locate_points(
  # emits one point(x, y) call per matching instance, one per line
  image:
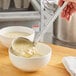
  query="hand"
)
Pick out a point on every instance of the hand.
point(69, 9)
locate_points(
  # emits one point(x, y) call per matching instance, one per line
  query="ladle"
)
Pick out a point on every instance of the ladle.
point(49, 23)
point(24, 47)
point(42, 32)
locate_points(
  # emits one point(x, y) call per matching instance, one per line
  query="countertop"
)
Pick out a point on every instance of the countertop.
point(54, 67)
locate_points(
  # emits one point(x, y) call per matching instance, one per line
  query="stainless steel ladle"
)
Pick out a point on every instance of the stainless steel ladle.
point(44, 30)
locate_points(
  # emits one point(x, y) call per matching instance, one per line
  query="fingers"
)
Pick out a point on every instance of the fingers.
point(68, 10)
point(65, 16)
point(65, 13)
point(74, 5)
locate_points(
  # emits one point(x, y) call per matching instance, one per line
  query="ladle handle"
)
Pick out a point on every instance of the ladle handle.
point(50, 21)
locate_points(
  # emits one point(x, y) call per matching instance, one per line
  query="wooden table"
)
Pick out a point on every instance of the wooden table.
point(54, 68)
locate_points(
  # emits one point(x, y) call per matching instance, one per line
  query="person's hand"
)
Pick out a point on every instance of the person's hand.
point(69, 9)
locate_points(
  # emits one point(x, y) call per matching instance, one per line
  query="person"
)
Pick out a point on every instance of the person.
point(69, 9)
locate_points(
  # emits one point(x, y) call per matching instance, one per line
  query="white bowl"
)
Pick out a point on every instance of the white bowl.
point(33, 63)
point(7, 40)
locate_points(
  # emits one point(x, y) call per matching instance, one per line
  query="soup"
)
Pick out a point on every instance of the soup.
point(22, 47)
point(16, 34)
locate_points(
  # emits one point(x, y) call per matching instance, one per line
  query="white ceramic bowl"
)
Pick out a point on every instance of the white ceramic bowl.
point(34, 63)
point(7, 40)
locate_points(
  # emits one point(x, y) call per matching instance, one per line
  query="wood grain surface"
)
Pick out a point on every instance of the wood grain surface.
point(54, 67)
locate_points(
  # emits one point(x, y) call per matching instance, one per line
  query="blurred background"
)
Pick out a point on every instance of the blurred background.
point(28, 13)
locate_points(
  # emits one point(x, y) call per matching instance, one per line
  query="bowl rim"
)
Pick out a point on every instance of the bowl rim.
point(7, 27)
point(49, 53)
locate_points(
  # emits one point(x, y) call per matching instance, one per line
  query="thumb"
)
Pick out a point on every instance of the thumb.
point(60, 3)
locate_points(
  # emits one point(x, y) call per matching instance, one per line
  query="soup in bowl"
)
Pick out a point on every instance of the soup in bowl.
point(7, 34)
point(25, 61)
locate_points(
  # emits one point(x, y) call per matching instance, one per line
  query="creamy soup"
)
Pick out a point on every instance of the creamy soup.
point(23, 47)
point(16, 34)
